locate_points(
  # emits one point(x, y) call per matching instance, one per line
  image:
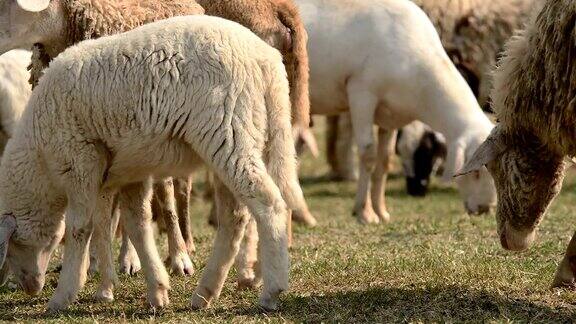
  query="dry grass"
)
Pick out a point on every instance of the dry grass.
point(431, 263)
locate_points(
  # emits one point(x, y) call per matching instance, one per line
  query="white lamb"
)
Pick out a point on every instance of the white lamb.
point(383, 61)
point(110, 113)
point(14, 91)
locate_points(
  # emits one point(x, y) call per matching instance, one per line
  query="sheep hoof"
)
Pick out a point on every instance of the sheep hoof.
point(269, 304)
point(384, 216)
point(199, 302)
point(366, 216)
point(104, 295)
point(130, 265)
point(565, 274)
point(55, 306)
point(248, 283)
point(181, 265)
point(159, 298)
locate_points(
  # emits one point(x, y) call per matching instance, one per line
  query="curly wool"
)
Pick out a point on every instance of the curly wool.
point(278, 23)
point(535, 83)
point(474, 32)
point(89, 19)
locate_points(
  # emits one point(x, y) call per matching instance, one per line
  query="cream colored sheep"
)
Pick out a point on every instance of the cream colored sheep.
point(534, 97)
point(54, 25)
point(14, 91)
point(166, 96)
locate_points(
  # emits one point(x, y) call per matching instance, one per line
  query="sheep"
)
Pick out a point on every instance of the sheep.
point(54, 25)
point(533, 86)
point(390, 69)
point(278, 23)
point(167, 96)
point(14, 91)
point(473, 32)
point(422, 152)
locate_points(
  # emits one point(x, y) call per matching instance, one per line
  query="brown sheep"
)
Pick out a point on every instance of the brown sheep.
point(534, 86)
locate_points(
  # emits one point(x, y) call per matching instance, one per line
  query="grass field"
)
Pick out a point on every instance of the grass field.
point(431, 263)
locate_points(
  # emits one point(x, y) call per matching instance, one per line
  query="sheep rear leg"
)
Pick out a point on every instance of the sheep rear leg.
point(247, 258)
point(180, 263)
point(128, 258)
point(136, 218)
point(232, 219)
point(363, 106)
point(386, 142)
point(183, 194)
point(566, 272)
point(340, 148)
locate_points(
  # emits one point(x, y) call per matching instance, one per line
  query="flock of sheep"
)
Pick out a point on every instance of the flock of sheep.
point(131, 97)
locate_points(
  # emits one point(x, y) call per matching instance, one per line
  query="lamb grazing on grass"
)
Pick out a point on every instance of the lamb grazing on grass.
point(54, 25)
point(534, 96)
point(14, 91)
point(278, 23)
point(390, 69)
point(168, 95)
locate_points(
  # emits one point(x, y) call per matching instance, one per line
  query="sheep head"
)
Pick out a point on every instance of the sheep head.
point(26, 259)
point(26, 22)
point(528, 176)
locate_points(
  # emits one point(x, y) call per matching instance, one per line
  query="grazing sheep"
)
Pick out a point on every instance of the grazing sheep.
point(390, 69)
point(534, 97)
point(54, 25)
point(14, 91)
point(278, 23)
point(167, 96)
point(473, 32)
point(421, 151)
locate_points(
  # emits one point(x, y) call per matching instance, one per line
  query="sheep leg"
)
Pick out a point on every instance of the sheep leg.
point(136, 211)
point(183, 193)
point(247, 258)
point(232, 220)
point(363, 106)
point(103, 235)
point(340, 143)
point(566, 273)
point(128, 258)
point(180, 262)
point(79, 222)
point(386, 142)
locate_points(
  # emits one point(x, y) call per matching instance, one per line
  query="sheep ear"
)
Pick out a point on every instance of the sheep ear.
point(454, 161)
point(488, 151)
point(33, 5)
point(7, 228)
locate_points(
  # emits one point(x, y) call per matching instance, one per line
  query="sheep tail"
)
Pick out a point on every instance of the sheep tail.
point(280, 150)
point(296, 61)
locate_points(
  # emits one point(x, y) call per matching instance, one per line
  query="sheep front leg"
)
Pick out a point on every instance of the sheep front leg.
point(566, 273)
point(363, 106)
point(75, 261)
point(180, 262)
point(104, 228)
point(386, 142)
point(136, 219)
point(232, 219)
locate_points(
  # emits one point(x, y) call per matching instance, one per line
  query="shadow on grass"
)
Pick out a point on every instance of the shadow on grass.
point(444, 303)
point(447, 303)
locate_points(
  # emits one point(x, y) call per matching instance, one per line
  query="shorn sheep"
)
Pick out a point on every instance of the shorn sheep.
point(533, 86)
point(14, 91)
point(54, 25)
point(390, 69)
point(473, 32)
point(212, 92)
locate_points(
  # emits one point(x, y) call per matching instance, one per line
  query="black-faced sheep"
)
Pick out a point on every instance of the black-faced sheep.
point(534, 98)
